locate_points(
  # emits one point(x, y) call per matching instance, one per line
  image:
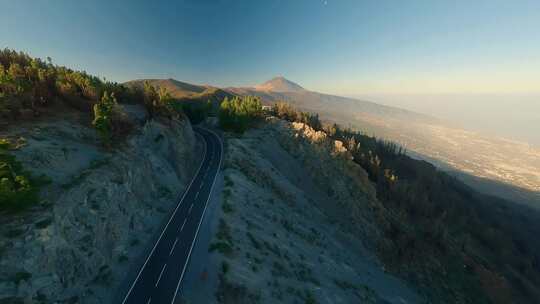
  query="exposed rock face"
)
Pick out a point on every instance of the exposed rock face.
point(317, 151)
point(101, 209)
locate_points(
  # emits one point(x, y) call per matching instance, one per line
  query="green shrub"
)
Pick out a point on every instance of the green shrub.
point(221, 247)
point(103, 115)
point(18, 189)
point(225, 267)
point(239, 113)
point(227, 207)
point(21, 276)
point(196, 111)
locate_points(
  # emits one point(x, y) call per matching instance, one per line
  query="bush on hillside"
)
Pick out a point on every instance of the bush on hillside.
point(103, 115)
point(18, 189)
point(288, 112)
point(239, 113)
point(197, 111)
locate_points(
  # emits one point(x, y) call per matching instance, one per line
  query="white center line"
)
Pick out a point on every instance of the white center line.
point(202, 184)
point(190, 207)
point(160, 274)
point(174, 245)
point(197, 195)
point(182, 228)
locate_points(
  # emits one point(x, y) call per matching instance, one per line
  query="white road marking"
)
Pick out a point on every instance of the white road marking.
point(149, 300)
point(197, 195)
point(202, 184)
point(174, 245)
point(166, 226)
point(190, 207)
point(160, 274)
point(182, 228)
point(202, 217)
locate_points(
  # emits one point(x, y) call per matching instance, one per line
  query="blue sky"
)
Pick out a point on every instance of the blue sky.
point(343, 47)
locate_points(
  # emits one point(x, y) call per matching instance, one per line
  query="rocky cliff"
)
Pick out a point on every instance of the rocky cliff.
point(99, 212)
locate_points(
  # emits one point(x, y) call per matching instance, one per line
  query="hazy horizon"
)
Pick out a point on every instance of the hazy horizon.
point(345, 47)
point(442, 53)
point(503, 115)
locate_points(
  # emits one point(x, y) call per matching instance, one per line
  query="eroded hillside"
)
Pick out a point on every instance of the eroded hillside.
point(292, 228)
point(99, 212)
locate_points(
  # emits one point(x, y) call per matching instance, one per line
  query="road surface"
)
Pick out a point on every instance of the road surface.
point(160, 277)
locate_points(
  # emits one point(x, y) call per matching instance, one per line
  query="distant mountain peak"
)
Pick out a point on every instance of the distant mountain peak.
point(279, 84)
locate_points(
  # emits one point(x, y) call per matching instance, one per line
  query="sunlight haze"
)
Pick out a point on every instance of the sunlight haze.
point(383, 47)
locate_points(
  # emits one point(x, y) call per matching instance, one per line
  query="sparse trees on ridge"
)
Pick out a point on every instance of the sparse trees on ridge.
point(286, 111)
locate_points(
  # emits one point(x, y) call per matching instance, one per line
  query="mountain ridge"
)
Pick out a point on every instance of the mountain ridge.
point(279, 88)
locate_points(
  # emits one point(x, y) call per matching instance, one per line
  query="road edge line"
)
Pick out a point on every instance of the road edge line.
point(167, 225)
point(202, 216)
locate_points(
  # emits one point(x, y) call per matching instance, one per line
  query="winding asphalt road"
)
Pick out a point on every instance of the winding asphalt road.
point(160, 277)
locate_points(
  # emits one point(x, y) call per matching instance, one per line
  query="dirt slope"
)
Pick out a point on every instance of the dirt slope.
point(291, 229)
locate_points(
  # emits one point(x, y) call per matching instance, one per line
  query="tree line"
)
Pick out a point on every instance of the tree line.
point(27, 83)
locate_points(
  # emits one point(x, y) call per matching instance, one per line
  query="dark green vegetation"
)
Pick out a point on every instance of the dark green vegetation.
point(239, 113)
point(30, 86)
point(103, 116)
point(197, 111)
point(460, 245)
point(18, 188)
point(224, 244)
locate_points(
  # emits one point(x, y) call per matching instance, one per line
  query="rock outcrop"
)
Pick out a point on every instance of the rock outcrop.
point(99, 212)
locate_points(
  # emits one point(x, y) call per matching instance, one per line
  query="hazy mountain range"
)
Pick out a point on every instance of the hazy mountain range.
point(281, 89)
point(507, 168)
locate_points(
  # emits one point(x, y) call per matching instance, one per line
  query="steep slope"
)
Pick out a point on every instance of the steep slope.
point(291, 228)
point(100, 211)
point(488, 160)
point(300, 222)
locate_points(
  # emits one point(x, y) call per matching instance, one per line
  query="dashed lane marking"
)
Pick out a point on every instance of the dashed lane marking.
point(160, 274)
point(173, 246)
point(182, 228)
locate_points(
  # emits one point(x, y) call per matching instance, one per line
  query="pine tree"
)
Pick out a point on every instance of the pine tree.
point(103, 111)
